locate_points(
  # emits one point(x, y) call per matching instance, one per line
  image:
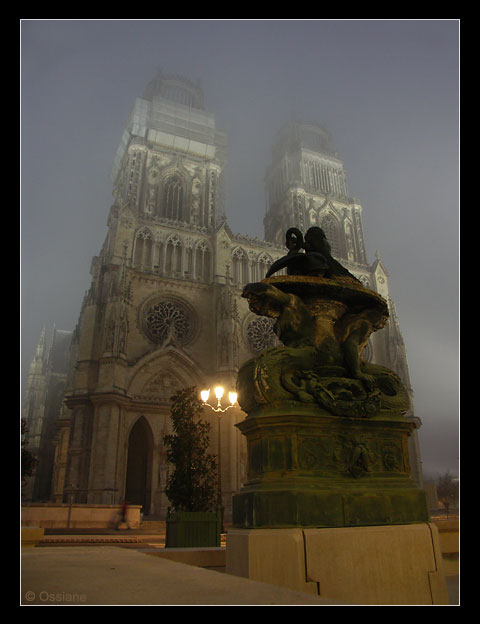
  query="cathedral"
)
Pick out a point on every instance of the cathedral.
point(164, 308)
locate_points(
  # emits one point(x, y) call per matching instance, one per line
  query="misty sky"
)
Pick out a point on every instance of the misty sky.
point(387, 90)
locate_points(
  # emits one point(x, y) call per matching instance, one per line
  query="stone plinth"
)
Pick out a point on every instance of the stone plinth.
point(376, 565)
point(329, 505)
point(317, 470)
point(326, 434)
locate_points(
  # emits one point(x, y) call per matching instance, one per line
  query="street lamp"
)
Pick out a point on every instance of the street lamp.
point(232, 397)
point(219, 392)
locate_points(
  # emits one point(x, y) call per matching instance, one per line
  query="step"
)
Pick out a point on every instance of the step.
point(153, 526)
point(207, 557)
point(92, 539)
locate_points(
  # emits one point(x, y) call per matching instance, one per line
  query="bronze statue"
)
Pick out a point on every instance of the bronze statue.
point(316, 259)
point(294, 325)
point(325, 429)
point(324, 317)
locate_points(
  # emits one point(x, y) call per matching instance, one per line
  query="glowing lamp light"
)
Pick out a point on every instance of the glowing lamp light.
point(219, 392)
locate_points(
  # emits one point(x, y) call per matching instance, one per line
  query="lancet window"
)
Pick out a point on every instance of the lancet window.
point(202, 261)
point(143, 253)
point(240, 266)
point(173, 256)
point(173, 204)
point(264, 263)
point(331, 228)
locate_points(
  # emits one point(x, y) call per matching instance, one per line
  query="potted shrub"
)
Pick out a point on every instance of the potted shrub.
point(193, 518)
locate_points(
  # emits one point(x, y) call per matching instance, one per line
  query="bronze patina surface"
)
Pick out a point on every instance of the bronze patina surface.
point(326, 432)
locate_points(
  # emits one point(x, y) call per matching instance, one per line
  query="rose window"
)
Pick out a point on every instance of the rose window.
point(260, 334)
point(167, 318)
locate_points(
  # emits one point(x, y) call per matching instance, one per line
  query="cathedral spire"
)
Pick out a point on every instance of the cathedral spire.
point(38, 360)
point(41, 342)
point(306, 187)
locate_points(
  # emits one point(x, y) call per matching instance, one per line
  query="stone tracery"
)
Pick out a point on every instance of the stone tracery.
point(167, 318)
point(260, 334)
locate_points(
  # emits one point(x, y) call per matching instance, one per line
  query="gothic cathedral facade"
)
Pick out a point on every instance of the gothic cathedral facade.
point(164, 309)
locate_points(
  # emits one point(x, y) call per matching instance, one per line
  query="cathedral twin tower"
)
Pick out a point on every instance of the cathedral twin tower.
point(164, 309)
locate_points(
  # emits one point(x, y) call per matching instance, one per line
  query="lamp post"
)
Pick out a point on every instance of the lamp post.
point(71, 493)
point(232, 397)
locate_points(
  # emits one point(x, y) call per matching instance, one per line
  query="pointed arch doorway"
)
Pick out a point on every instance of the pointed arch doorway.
point(138, 482)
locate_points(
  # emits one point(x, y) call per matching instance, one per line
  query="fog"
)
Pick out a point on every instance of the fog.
point(387, 90)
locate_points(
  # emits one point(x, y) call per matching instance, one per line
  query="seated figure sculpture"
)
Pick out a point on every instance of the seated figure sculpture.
point(317, 259)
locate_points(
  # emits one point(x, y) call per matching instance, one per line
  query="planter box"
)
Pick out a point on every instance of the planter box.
point(191, 529)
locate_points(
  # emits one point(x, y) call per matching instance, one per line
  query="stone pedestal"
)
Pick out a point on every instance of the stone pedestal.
point(374, 565)
point(329, 505)
point(326, 432)
point(316, 470)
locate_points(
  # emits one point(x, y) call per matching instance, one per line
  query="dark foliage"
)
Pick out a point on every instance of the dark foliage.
point(447, 491)
point(28, 459)
point(193, 484)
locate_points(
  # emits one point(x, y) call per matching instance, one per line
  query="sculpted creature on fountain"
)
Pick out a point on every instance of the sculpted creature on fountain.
point(324, 318)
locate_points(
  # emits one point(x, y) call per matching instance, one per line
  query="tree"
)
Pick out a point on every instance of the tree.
point(447, 491)
point(28, 459)
point(193, 484)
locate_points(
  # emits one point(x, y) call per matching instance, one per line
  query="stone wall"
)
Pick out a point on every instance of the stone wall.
point(77, 516)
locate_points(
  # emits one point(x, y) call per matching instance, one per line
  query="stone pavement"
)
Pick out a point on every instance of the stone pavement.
point(109, 575)
point(453, 588)
point(114, 575)
point(114, 568)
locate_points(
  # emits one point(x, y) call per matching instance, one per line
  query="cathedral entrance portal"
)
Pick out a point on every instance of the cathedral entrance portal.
point(138, 485)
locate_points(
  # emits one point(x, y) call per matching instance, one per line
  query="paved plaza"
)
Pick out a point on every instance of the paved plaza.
point(117, 568)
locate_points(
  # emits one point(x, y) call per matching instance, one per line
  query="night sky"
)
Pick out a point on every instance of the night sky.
point(388, 90)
